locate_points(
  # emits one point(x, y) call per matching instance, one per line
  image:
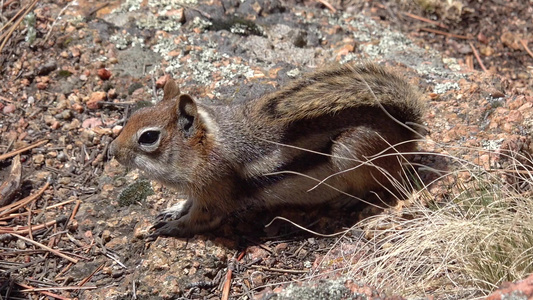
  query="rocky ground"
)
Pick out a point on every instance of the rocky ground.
point(71, 73)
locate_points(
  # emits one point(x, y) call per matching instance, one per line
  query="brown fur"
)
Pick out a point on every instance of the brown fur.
point(326, 126)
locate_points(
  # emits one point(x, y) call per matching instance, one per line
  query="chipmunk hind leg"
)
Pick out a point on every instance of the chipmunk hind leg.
point(369, 160)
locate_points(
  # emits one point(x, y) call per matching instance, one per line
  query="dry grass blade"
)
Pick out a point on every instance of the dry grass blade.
point(305, 229)
point(413, 16)
point(58, 16)
point(461, 248)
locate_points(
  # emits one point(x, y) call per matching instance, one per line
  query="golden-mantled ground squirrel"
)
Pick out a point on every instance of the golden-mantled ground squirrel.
point(334, 132)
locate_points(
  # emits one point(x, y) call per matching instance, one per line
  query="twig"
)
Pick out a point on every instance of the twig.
point(281, 270)
point(9, 22)
point(227, 283)
point(8, 3)
point(58, 204)
point(410, 15)
point(6, 100)
point(44, 292)
point(63, 271)
point(13, 153)
point(96, 9)
point(30, 233)
point(469, 61)
point(444, 33)
point(328, 5)
point(15, 206)
point(524, 43)
point(476, 54)
point(227, 286)
point(59, 288)
point(11, 216)
point(14, 26)
point(117, 103)
point(24, 230)
point(74, 212)
point(84, 281)
point(73, 260)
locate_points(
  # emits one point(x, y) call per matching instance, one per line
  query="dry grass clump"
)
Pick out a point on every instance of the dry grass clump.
point(463, 247)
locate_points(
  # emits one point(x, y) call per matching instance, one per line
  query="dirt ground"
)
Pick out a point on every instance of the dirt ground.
point(72, 72)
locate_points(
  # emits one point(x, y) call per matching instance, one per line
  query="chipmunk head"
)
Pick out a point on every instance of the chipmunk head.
point(163, 140)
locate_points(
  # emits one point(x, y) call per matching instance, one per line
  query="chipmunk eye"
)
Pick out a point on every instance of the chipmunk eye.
point(149, 137)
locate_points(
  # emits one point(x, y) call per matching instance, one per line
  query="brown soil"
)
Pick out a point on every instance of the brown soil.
point(72, 86)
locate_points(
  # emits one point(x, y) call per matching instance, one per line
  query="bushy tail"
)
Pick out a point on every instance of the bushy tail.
point(343, 87)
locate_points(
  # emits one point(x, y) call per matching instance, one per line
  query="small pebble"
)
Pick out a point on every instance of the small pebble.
point(9, 108)
point(74, 98)
point(116, 130)
point(48, 119)
point(64, 180)
point(66, 115)
point(46, 68)
point(20, 244)
point(106, 235)
point(91, 123)
point(73, 226)
point(112, 94)
point(104, 74)
point(62, 157)
point(78, 107)
point(95, 99)
point(42, 85)
point(38, 159)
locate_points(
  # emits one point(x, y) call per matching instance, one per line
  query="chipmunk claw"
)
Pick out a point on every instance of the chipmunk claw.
point(172, 228)
point(175, 212)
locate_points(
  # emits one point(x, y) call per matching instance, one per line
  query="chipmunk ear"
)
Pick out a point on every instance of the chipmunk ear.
point(187, 114)
point(170, 90)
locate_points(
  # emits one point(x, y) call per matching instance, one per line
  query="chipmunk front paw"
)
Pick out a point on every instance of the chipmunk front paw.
point(184, 220)
point(175, 212)
point(174, 228)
